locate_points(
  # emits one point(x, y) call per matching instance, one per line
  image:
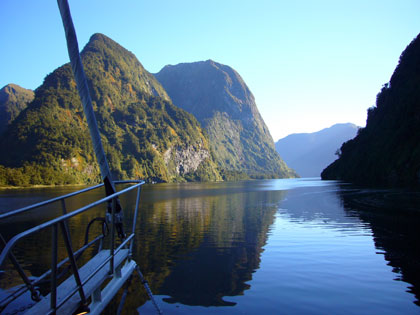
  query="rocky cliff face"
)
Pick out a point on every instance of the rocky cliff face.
point(221, 101)
point(387, 151)
point(13, 99)
point(185, 160)
point(144, 134)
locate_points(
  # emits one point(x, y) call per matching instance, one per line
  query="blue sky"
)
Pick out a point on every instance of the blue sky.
point(309, 64)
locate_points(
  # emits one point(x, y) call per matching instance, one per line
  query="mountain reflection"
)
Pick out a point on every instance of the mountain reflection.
point(199, 249)
point(394, 219)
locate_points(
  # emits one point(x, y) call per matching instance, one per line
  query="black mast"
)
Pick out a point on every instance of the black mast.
point(82, 87)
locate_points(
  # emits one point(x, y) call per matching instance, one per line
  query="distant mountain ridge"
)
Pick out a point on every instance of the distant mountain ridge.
point(13, 99)
point(387, 151)
point(143, 133)
point(225, 107)
point(309, 153)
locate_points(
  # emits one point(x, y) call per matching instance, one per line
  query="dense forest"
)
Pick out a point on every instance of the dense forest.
point(387, 151)
point(144, 134)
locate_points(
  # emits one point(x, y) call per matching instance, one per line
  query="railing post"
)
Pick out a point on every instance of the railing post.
point(135, 220)
point(73, 263)
point(114, 206)
point(63, 206)
point(101, 241)
point(53, 301)
point(66, 225)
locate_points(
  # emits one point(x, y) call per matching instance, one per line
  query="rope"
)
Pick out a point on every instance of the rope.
point(149, 292)
point(105, 228)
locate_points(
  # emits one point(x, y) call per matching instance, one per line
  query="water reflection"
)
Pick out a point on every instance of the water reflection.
point(300, 246)
point(322, 208)
point(287, 247)
point(394, 218)
point(204, 247)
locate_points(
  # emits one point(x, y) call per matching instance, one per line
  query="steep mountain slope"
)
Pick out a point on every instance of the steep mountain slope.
point(387, 151)
point(218, 97)
point(309, 153)
point(144, 134)
point(13, 99)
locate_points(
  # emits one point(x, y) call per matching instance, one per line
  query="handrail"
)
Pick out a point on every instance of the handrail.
point(46, 202)
point(37, 228)
point(61, 221)
point(49, 201)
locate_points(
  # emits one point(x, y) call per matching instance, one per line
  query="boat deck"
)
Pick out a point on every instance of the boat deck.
point(68, 298)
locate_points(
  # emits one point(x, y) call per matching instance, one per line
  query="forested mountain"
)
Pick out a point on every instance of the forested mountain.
point(13, 99)
point(221, 101)
point(387, 151)
point(144, 134)
point(309, 153)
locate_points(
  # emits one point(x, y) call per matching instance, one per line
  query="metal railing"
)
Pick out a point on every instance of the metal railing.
point(61, 223)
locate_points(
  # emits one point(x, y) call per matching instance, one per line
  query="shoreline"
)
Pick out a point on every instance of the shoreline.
point(40, 186)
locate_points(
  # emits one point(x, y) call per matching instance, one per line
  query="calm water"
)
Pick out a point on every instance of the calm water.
point(300, 246)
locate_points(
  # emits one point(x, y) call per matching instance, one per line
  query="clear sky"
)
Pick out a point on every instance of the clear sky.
point(309, 64)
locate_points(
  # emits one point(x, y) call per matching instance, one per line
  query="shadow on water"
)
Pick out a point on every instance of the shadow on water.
point(394, 218)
